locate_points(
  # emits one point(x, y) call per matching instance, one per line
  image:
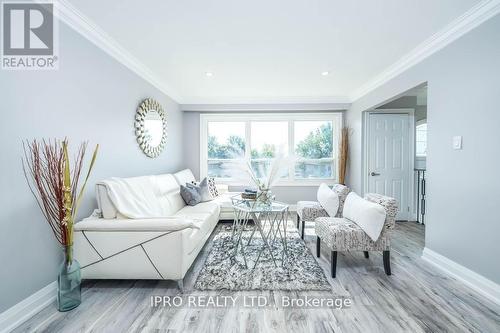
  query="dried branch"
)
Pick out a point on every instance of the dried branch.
point(344, 151)
point(46, 167)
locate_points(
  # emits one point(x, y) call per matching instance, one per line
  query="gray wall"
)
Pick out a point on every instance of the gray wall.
point(407, 102)
point(92, 97)
point(191, 130)
point(463, 196)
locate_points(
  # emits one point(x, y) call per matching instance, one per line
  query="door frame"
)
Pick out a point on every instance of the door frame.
point(411, 155)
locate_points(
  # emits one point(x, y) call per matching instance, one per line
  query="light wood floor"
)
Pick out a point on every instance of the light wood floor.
point(416, 298)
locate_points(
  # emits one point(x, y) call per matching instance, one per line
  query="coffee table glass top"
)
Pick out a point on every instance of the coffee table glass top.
point(256, 206)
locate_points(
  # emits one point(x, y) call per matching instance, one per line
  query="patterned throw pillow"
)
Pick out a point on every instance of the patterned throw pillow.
point(212, 187)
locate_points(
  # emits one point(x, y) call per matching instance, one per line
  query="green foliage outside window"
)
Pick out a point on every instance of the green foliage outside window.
point(317, 144)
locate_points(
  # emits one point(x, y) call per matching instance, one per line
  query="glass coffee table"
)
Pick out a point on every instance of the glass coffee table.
point(269, 220)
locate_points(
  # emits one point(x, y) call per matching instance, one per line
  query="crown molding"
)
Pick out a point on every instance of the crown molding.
point(76, 20)
point(471, 19)
point(265, 107)
point(234, 100)
point(474, 17)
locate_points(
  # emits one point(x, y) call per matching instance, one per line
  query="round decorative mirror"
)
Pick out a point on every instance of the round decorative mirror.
point(151, 127)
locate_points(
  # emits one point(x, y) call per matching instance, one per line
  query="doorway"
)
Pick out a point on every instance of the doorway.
point(389, 151)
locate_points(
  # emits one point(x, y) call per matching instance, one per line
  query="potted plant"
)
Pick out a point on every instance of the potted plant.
point(53, 181)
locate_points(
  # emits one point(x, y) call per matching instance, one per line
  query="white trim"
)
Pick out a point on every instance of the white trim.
point(471, 19)
point(421, 122)
point(22, 311)
point(289, 106)
point(475, 281)
point(83, 25)
point(335, 117)
point(411, 156)
point(269, 100)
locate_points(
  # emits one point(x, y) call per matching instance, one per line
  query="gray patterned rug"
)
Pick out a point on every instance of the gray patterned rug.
point(222, 270)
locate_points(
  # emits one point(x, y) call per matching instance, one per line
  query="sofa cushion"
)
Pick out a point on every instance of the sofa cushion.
point(328, 199)
point(166, 191)
point(205, 216)
point(209, 207)
point(184, 176)
point(137, 197)
point(169, 192)
point(224, 200)
point(369, 216)
point(341, 234)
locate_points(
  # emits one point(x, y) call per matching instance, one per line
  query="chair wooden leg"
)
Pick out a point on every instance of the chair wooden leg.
point(303, 228)
point(366, 254)
point(318, 246)
point(387, 262)
point(334, 264)
point(298, 221)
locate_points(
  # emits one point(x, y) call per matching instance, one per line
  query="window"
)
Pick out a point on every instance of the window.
point(230, 141)
point(226, 145)
point(314, 149)
point(269, 139)
point(421, 139)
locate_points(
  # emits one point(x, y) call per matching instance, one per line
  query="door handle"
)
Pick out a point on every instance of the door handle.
point(374, 174)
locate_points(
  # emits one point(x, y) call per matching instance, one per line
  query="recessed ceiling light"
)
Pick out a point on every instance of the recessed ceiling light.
point(325, 73)
point(209, 74)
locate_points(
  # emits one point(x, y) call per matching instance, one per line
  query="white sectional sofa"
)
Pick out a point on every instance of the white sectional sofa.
point(110, 246)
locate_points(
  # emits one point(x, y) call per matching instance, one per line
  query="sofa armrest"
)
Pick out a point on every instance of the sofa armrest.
point(158, 224)
point(222, 188)
point(390, 205)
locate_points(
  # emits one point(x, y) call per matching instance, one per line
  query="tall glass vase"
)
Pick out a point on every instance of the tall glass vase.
point(69, 291)
point(265, 196)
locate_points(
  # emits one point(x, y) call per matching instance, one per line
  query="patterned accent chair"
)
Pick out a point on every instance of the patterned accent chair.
point(308, 211)
point(341, 234)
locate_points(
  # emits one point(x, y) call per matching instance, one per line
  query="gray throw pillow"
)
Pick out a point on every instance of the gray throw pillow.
point(212, 187)
point(190, 195)
point(203, 190)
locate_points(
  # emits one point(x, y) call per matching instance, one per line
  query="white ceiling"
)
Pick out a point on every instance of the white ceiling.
point(261, 51)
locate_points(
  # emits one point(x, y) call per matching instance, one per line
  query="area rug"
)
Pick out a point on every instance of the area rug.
point(222, 270)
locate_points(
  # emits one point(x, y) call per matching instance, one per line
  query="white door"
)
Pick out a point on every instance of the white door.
point(389, 158)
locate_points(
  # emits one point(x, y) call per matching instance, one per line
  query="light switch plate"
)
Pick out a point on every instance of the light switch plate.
point(457, 142)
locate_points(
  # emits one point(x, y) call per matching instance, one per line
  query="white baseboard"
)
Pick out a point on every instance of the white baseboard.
point(479, 283)
point(22, 311)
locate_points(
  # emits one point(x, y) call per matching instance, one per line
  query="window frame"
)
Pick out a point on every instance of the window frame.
point(335, 117)
point(417, 124)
